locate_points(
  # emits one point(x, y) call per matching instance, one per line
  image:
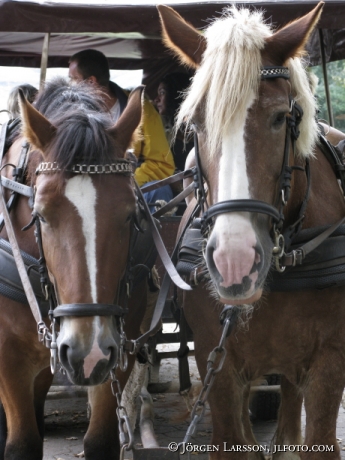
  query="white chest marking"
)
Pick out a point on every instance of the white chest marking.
point(82, 193)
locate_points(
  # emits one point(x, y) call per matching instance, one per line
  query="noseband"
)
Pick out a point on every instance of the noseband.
point(257, 206)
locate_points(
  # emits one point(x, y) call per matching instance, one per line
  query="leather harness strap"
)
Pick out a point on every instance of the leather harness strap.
point(18, 174)
point(168, 180)
point(35, 309)
point(163, 254)
point(296, 256)
point(133, 346)
point(175, 201)
point(17, 187)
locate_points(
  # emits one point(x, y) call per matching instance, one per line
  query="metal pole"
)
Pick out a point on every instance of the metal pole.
point(44, 59)
point(325, 78)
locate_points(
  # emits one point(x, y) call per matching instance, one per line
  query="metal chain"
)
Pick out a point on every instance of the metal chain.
point(126, 440)
point(120, 167)
point(217, 354)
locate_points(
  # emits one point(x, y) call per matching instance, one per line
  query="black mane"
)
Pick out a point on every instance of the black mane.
point(81, 119)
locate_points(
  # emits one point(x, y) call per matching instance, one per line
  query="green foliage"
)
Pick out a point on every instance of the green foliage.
point(336, 81)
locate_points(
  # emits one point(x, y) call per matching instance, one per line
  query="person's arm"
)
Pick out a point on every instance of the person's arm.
point(153, 150)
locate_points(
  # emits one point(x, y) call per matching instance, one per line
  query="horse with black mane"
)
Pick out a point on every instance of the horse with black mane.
point(271, 201)
point(84, 205)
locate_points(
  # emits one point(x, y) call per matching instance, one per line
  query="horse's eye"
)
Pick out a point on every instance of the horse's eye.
point(279, 119)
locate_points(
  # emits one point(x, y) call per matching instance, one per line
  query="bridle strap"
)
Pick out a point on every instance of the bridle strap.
point(240, 206)
point(88, 309)
point(198, 177)
point(257, 206)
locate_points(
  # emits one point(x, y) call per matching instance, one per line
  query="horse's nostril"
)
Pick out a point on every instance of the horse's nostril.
point(113, 355)
point(258, 255)
point(63, 354)
point(210, 248)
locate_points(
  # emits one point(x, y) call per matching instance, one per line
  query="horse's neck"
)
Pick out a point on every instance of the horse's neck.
point(21, 214)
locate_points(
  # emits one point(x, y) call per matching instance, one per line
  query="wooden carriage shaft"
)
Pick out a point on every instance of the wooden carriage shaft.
point(77, 391)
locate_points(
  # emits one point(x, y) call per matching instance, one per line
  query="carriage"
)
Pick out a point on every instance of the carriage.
point(70, 310)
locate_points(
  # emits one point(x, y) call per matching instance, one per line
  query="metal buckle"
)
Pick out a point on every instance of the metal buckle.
point(278, 250)
point(296, 253)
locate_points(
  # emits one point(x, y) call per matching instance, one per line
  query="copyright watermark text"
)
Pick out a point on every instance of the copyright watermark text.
point(226, 447)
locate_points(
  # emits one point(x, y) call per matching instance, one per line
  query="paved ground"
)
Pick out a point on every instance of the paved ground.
point(66, 423)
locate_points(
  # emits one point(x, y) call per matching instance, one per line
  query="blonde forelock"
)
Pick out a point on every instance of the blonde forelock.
point(228, 78)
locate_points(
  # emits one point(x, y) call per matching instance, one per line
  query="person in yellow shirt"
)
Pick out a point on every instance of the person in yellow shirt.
point(154, 158)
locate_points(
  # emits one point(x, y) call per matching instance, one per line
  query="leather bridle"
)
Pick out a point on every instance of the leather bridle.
point(276, 213)
point(46, 336)
point(122, 167)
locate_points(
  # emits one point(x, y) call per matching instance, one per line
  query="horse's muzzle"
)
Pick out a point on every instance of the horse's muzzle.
point(89, 341)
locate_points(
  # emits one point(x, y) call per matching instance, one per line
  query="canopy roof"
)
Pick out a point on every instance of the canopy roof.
point(129, 32)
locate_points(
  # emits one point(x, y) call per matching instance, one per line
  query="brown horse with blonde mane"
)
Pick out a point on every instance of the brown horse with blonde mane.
point(269, 184)
point(85, 208)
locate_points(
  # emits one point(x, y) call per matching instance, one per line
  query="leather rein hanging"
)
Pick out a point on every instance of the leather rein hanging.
point(276, 213)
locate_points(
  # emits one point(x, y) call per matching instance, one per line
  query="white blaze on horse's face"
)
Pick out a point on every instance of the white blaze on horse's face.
point(233, 243)
point(81, 192)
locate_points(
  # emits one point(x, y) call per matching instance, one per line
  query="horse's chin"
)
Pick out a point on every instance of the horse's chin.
point(240, 301)
point(99, 375)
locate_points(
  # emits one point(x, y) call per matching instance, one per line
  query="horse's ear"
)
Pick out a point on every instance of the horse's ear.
point(182, 38)
point(125, 128)
point(290, 41)
point(35, 127)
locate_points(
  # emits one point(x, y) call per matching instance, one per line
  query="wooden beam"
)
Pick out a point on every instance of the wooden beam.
point(44, 59)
